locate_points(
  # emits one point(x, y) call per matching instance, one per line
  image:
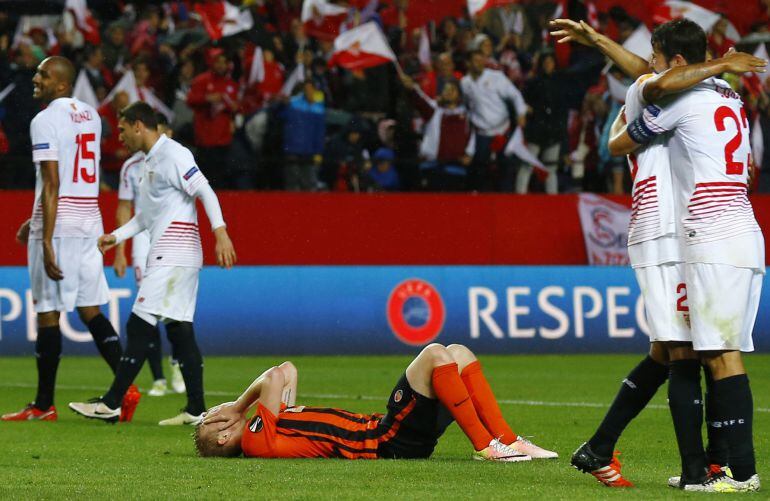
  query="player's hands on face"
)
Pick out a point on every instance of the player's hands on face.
point(49, 261)
point(567, 30)
point(224, 249)
point(741, 62)
point(120, 264)
point(224, 415)
point(106, 242)
point(22, 236)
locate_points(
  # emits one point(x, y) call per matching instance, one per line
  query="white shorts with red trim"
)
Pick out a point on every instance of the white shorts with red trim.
point(168, 293)
point(81, 264)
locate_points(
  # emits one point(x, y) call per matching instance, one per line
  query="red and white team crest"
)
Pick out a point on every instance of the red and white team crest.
point(415, 312)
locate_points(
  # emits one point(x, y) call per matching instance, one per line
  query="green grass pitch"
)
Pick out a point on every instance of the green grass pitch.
point(557, 400)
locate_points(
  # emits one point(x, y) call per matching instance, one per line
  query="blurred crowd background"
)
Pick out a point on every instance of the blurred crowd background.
point(249, 87)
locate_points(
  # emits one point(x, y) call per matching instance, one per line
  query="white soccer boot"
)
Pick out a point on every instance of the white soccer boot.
point(159, 388)
point(96, 409)
point(177, 381)
point(183, 418)
point(526, 447)
point(498, 451)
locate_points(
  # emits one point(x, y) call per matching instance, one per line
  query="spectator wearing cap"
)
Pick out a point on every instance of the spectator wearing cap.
point(546, 128)
point(213, 97)
point(382, 175)
point(488, 95)
point(304, 127)
point(447, 144)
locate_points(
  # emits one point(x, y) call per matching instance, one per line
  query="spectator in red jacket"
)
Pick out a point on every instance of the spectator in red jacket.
point(213, 96)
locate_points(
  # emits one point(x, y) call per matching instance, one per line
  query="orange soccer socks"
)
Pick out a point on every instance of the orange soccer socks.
point(451, 392)
point(486, 404)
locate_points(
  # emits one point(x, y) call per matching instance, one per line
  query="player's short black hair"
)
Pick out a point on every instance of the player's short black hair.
point(161, 119)
point(142, 112)
point(681, 36)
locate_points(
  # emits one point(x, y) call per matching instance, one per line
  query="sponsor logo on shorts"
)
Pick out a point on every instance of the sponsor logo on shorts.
point(415, 312)
point(398, 395)
point(140, 299)
point(298, 408)
point(255, 426)
point(190, 173)
point(40, 146)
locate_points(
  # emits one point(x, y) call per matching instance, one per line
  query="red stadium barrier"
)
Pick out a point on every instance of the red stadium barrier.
point(345, 229)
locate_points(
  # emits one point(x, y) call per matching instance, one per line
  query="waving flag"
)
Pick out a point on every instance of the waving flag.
point(322, 19)
point(706, 19)
point(518, 147)
point(222, 19)
point(423, 51)
point(362, 47)
point(478, 6)
point(84, 91)
point(135, 93)
point(84, 21)
point(257, 68)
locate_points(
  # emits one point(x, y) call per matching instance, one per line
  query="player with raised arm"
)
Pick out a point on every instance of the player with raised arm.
point(66, 270)
point(170, 186)
point(441, 384)
point(130, 176)
point(724, 252)
point(655, 252)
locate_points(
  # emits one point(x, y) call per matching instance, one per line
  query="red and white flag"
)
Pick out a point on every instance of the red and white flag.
point(362, 47)
point(84, 91)
point(639, 42)
point(592, 14)
point(706, 19)
point(222, 19)
point(135, 93)
point(605, 229)
point(478, 6)
point(85, 22)
point(322, 19)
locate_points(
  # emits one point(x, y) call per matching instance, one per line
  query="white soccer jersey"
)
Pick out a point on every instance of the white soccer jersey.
point(652, 233)
point(130, 176)
point(709, 155)
point(166, 205)
point(69, 131)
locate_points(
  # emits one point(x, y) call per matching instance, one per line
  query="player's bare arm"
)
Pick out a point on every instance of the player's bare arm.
point(567, 30)
point(122, 216)
point(22, 235)
point(50, 201)
point(275, 385)
point(682, 78)
point(224, 248)
point(622, 144)
point(225, 251)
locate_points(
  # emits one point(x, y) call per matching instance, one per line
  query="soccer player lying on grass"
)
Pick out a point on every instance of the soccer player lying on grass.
point(441, 385)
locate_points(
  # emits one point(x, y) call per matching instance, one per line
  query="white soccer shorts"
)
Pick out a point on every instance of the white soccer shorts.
point(724, 301)
point(81, 264)
point(665, 301)
point(140, 248)
point(168, 293)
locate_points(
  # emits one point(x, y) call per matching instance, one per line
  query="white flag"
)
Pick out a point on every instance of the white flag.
point(705, 18)
point(296, 76)
point(639, 42)
point(423, 52)
point(618, 89)
point(84, 91)
point(257, 70)
point(605, 230)
point(757, 144)
point(128, 85)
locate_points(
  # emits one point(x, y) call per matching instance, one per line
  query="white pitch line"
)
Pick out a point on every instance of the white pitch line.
point(340, 396)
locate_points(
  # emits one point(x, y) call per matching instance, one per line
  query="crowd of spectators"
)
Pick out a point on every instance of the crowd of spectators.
point(442, 124)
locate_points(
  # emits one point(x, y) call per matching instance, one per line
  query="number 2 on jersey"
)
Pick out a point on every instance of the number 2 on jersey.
point(83, 153)
point(722, 114)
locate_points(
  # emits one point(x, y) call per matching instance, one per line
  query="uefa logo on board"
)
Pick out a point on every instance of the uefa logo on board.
point(415, 312)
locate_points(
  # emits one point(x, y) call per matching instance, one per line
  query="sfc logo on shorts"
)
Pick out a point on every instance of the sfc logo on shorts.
point(415, 312)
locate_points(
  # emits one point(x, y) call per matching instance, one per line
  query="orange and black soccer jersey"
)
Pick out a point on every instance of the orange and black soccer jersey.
point(312, 432)
point(409, 430)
